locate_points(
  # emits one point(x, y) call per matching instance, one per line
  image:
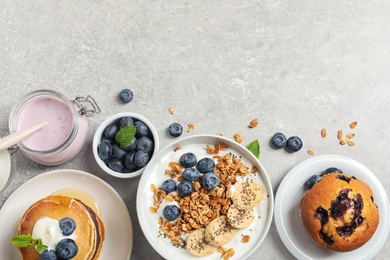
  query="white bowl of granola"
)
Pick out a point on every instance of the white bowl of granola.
point(233, 164)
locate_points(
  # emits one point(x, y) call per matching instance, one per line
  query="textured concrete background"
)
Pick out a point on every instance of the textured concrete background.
point(297, 66)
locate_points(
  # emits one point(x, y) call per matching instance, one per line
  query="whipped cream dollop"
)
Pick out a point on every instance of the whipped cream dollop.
point(49, 231)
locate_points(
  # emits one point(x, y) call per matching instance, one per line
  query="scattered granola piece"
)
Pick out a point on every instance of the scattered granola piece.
point(350, 143)
point(177, 148)
point(171, 111)
point(353, 124)
point(238, 137)
point(323, 132)
point(350, 136)
point(310, 152)
point(245, 239)
point(219, 134)
point(343, 141)
point(339, 134)
point(190, 127)
point(253, 123)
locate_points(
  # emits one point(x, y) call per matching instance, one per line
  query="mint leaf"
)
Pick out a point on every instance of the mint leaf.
point(24, 241)
point(254, 147)
point(125, 135)
point(41, 247)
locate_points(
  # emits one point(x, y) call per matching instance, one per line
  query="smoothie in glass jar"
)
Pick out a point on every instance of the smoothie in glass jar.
point(64, 135)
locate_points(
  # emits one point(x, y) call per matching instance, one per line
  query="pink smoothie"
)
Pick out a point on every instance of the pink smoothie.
point(59, 120)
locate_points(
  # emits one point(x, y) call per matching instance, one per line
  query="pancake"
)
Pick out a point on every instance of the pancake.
point(89, 230)
point(339, 212)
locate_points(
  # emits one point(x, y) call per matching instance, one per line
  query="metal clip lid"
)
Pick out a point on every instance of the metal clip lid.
point(84, 111)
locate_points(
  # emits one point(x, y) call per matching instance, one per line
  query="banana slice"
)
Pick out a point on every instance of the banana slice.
point(197, 245)
point(248, 194)
point(240, 218)
point(218, 232)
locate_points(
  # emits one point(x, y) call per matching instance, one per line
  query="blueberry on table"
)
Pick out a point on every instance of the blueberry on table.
point(312, 180)
point(188, 160)
point(111, 130)
point(205, 165)
point(142, 129)
point(67, 226)
point(141, 158)
point(126, 95)
point(210, 181)
point(48, 255)
point(115, 164)
point(104, 150)
point(185, 188)
point(66, 249)
point(171, 212)
point(191, 174)
point(146, 144)
point(332, 169)
point(278, 141)
point(175, 130)
point(294, 144)
point(168, 186)
point(125, 121)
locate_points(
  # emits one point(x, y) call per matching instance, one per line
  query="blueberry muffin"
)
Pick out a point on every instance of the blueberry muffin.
point(338, 212)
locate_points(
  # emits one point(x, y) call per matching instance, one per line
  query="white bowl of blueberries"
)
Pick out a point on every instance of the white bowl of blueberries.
point(124, 144)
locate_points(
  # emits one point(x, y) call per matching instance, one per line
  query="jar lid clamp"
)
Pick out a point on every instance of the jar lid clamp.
point(84, 111)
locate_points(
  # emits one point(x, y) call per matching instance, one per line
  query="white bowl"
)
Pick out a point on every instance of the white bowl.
point(154, 175)
point(98, 136)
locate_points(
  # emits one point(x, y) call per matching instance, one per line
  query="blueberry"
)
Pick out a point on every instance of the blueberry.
point(294, 144)
point(312, 180)
point(171, 212)
point(175, 130)
point(115, 164)
point(125, 121)
point(279, 140)
point(117, 152)
point(210, 181)
point(132, 146)
point(104, 150)
point(48, 255)
point(188, 160)
point(110, 131)
point(126, 95)
point(142, 129)
point(205, 165)
point(141, 158)
point(185, 188)
point(332, 169)
point(168, 186)
point(105, 139)
point(67, 226)
point(191, 174)
point(66, 249)
point(146, 144)
point(129, 161)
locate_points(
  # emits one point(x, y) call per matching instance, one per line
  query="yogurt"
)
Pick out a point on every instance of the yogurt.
point(48, 229)
point(64, 135)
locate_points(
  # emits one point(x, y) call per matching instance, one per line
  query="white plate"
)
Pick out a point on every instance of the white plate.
point(119, 231)
point(290, 192)
point(155, 174)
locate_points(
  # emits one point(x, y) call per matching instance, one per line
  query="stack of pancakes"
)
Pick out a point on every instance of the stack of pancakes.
point(90, 229)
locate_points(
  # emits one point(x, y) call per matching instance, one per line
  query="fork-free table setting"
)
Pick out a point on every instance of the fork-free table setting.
point(270, 94)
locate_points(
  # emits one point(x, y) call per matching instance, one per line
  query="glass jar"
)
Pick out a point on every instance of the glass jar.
point(65, 133)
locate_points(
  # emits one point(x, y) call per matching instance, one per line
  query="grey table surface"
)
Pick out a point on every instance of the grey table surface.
point(297, 66)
